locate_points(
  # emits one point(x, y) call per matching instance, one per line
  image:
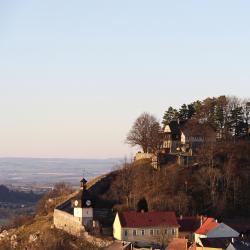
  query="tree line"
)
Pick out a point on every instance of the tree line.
point(229, 116)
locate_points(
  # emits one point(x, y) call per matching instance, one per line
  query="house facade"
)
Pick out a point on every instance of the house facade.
point(146, 228)
point(171, 137)
point(187, 136)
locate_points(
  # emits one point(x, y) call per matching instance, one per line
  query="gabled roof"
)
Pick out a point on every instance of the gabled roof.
point(222, 230)
point(207, 226)
point(148, 219)
point(194, 128)
point(174, 127)
point(189, 223)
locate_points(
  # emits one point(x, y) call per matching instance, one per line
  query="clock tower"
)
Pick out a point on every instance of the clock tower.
point(82, 205)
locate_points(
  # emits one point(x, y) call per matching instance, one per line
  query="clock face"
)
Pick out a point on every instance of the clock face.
point(76, 203)
point(88, 202)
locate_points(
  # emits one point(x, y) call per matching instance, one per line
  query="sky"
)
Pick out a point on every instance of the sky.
point(74, 75)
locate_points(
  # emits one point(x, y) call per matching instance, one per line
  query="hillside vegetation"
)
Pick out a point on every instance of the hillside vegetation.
point(218, 184)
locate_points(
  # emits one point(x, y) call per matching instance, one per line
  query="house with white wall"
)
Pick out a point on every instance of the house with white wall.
point(146, 228)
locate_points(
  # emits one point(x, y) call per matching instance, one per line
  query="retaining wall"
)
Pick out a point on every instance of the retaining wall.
point(68, 223)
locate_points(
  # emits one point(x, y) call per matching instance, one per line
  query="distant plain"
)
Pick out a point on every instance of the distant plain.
point(34, 173)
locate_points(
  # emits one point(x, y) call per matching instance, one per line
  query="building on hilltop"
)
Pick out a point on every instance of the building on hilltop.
point(146, 228)
point(83, 213)
point(171, 137)
point(82, 205)
point(185, 136)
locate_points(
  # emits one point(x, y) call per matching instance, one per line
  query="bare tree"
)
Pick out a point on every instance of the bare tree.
point(145, 133)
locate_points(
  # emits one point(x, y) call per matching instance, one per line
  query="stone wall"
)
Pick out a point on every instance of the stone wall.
point(73, 225)
point(143, 156)
point(68, 223)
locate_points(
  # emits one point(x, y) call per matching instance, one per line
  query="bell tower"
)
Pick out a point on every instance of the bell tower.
point(82, 205)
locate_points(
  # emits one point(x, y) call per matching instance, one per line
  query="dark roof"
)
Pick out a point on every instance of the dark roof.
point(148, 219)
point(194, 128)
point(241, 245)
point(189, 224)
point(83, 180)
point(83, 195)
point(174, 127)
point(216, 242)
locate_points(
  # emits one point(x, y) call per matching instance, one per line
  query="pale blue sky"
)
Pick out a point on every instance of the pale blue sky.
point(74, 75)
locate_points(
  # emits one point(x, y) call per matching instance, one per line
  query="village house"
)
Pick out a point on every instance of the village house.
point(187, 136)
point(146, 229)
point(194, 134)
point(210, 228)
point(171, 137)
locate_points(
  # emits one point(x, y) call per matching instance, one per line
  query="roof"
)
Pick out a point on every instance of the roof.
point(239, 245)
point(189, 224)
point(174, 127)
point(148, 219)
point(195, 128)
point(83, 180)
point(216, 242)
point(208, 225)
point(177, 244)
point(222, 230)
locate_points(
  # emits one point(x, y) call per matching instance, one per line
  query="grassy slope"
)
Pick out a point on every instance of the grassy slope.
point(44, 226)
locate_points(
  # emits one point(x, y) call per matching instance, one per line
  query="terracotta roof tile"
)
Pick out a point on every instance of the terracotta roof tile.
point(149, 219)
point(208, 225)
point(177, 244)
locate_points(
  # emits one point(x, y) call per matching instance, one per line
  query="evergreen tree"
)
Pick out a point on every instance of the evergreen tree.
point(184, 113)
point(142, 205)
point(170, 115)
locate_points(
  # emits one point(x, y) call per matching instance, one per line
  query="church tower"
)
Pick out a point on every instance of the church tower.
point(82, 205)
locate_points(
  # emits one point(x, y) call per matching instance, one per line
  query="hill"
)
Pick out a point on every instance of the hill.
point(38, 232)
point(218, 184)
point(7, 195)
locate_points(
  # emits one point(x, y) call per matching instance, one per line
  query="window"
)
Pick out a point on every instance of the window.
point(142, 232)
point(157, 231)
point(151, 232)
point(125, 233)
point(134, 232)
point(173, 231)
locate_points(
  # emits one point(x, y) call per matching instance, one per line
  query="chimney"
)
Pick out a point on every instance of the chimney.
point(181, 217)
point(232, 240)
point(201, 220)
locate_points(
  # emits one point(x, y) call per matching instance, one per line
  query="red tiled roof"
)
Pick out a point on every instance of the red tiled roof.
point(208, 225)
point(149, 219)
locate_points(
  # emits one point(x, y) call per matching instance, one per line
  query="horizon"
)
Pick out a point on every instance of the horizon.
point(75, 76)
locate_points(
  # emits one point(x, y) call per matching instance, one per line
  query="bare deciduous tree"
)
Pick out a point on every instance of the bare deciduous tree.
point(145, 133)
